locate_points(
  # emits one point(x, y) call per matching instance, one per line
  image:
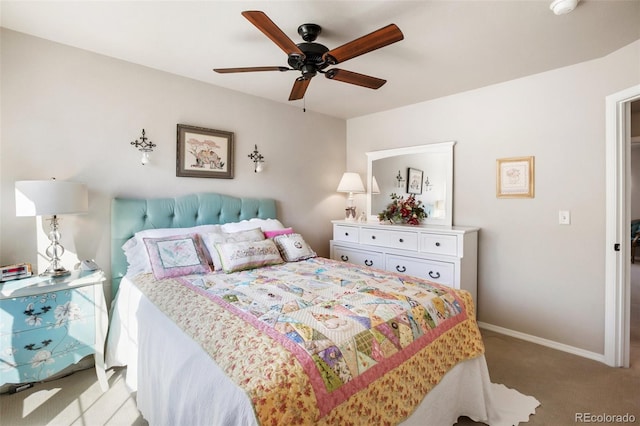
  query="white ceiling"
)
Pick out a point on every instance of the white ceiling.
point(450, 46)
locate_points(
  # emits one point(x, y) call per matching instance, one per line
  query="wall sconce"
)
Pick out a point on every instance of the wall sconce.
point(144, 147)
point(428, 186)
point(258, 160)
point(400, 179)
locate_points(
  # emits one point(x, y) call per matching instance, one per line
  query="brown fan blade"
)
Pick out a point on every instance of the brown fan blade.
point(375, 40)
point(271, 30)
point(250, 69)
point(355, 78)
point(299, 88)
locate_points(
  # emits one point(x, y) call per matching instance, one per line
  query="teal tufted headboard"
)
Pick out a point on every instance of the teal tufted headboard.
point(129, 216)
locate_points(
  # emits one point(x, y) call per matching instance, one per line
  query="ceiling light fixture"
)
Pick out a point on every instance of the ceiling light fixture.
point(561, 7)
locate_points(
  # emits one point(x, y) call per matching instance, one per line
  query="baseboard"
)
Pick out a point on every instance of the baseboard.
point(544, 342)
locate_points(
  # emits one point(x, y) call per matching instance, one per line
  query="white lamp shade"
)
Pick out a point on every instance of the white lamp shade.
point(375, 189)
point(50, 197)
point(351, 182)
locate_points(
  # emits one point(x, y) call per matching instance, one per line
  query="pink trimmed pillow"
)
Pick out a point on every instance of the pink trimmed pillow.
point(276, 232)
point(177, 256)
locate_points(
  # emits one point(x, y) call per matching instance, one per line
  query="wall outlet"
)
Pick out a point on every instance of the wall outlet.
point(564, 217)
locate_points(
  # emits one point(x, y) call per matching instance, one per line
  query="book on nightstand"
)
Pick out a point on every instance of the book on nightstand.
point(15, 272)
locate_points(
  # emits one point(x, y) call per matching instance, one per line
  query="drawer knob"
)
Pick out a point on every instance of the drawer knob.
point(346, 234)
point(344, 257)
point(401, 240)
point(435, 276)
point(401, 268)
point(368, 262)
point(437, 244)
point(373, 237)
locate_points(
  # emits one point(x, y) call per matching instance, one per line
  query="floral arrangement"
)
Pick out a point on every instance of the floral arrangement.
point(402, 210)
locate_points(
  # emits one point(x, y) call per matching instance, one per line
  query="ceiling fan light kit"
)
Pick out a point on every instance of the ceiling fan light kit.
point(562, 7)
point(311, 58)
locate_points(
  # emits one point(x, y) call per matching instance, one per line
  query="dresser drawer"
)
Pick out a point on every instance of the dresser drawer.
point(345, 233)
point(439, 244)
point(46, 311)
point(388, 238)
point(432, 270)
point(359, 257)
point(37, 346)
point(43, 365)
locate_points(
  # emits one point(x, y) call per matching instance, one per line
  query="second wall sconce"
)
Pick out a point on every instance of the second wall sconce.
point(258, 160)
point(144, 146)
point(400, 179)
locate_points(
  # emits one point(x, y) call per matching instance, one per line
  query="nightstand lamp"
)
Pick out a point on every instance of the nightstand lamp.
point(51, 198)
point(351, 183)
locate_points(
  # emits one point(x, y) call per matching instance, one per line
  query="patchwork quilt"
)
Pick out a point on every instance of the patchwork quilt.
point(324, 342)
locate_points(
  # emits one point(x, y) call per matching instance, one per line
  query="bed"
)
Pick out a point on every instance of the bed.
point(276, 335)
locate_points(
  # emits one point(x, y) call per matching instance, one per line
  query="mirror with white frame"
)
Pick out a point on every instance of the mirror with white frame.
point(430, 171)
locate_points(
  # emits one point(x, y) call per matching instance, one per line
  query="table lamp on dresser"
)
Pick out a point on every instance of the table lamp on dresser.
point(51, 198)
point(352, 183)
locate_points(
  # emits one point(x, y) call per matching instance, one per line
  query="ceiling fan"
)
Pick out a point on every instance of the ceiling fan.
point(311, 58)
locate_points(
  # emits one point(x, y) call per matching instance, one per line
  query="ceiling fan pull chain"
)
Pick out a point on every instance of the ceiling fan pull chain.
point(304, 104)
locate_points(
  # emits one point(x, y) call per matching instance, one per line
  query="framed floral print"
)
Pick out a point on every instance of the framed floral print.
point(515, 177)
point(204, 153)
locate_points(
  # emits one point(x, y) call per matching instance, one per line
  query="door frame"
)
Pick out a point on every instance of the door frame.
point(618, 228)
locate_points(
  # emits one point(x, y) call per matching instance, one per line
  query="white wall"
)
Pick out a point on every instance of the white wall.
point(72, 114)
point(535, 276)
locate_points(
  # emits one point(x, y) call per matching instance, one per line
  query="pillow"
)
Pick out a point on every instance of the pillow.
point(211, 239)
point(293, 247)
point(276, 232)
point(264, 224)
point(135, 250)
point(176, 256)
point(248, 255)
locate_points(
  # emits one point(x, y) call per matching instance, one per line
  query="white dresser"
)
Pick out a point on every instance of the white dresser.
point(444, 254)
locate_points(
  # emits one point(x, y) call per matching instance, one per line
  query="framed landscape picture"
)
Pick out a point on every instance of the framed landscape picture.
point(205, 153)
point(515, 177)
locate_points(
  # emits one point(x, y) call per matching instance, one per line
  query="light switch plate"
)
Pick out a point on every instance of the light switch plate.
point(564, 217)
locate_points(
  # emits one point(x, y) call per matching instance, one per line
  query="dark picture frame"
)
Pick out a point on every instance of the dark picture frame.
point(414, 181)
point(204, 153)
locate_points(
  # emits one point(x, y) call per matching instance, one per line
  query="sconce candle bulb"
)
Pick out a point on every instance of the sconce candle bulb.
point(145, 146)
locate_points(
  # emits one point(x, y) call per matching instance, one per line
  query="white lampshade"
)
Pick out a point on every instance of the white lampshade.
point(351, 182)
point(50, 197)
point(375, 189)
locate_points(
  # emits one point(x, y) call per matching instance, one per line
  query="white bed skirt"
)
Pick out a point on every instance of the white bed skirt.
point(177, 382)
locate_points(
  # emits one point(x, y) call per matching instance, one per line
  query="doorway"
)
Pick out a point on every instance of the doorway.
point(618, 218)
point(634, 202)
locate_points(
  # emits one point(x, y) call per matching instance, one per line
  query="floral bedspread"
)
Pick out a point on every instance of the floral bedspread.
point(321, 341)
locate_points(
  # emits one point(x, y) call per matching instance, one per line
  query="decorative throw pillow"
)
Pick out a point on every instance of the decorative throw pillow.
point(248, 255)
point(176, 256)
point(264, 224)
point(136, 253)
point(276, 232)
point(293, 247)
point(211, 239)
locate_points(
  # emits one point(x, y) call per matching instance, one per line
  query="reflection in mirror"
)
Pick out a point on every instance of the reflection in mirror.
point(425, 171)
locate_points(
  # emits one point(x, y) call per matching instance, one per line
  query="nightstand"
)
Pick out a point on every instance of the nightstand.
point(48, 324)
